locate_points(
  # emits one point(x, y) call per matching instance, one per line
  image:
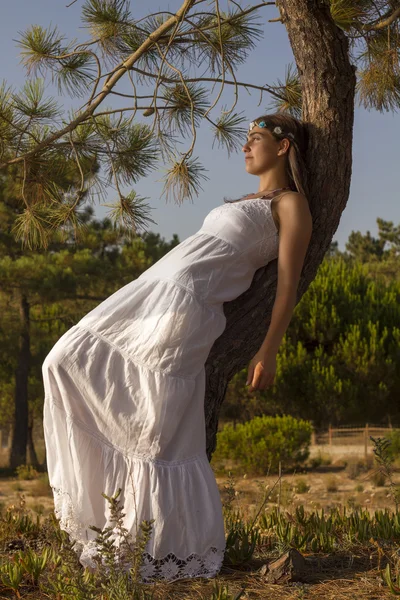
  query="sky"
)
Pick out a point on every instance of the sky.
point(376, 149)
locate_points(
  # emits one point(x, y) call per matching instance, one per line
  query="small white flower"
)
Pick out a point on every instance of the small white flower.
point(277, 130)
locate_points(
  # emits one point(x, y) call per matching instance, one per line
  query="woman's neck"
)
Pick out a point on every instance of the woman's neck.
point(272, 181)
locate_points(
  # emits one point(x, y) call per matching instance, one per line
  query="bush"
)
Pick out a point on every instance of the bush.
point(258, 445)
point(26, 472)
point(394, 448)
point(356, 466)
point(378, 478)
point(301, 486)
point(331, 485)
point(320, 460)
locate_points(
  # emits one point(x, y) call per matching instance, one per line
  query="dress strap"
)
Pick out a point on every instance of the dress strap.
point(272, 198)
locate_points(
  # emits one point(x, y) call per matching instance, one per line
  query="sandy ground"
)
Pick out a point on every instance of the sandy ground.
point(329, 485)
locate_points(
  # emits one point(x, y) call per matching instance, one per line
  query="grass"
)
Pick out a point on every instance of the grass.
point(350, 552)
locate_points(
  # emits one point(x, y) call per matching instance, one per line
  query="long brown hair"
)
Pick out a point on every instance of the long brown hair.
point(296, 166)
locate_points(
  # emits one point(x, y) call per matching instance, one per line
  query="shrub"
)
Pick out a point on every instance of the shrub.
point(378, 478)
point(301, 486)
point(331, 485)
point(356, 466)
point(286, 494)
point(258, 445)
point(394, 448)
point(320, 460)
point(26, 472)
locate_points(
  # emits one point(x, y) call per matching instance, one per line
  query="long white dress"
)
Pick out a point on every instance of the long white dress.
point(124, 397)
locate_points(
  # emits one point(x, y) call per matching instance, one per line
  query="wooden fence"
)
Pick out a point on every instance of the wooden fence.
point(334, 436)
point(351, 436)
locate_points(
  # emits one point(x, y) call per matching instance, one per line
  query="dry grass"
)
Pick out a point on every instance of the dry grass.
point(354, 575)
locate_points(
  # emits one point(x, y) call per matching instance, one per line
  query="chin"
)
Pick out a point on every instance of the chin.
point(251, 170)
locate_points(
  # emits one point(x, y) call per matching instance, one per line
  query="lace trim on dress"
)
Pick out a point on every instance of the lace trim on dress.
point(170, 567)
point(253, 206)
point(253, 210)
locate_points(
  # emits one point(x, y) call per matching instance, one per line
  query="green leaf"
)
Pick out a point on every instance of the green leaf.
point(134, 150)
point(236, 32)
point(74, 74)
point(129, 213)
point(30, 102)
point(291, 94)
point(347, 13)
point(183, 101)
point(38, 46)
point(229, 132)
point(106, 21)
point(183, 179)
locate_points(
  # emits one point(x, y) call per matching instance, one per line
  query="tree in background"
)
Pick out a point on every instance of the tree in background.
point(44, 293)
point(348, 47)
point(339, 358)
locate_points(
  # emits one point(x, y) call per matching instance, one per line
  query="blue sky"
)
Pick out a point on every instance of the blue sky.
point(376, 149)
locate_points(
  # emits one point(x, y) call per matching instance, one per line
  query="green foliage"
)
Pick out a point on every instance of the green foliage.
point(57, 287)
point(384, 459)
point(301, 486)
point(329, 531)
point(393, 450)
point(26, 472)
point(183, 178)
point(261, 443)
point(340, 352)
point(356, 466)
point(221, 592)
point(229, 131)
point(291, 99)
point(37, 139)
point(388, 579)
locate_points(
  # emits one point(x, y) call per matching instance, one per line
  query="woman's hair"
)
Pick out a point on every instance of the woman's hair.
point(296, 155)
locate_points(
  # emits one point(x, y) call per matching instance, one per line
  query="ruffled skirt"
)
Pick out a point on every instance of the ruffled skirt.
point(121, 412)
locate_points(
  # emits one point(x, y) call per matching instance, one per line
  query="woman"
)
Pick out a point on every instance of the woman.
point(124, 387)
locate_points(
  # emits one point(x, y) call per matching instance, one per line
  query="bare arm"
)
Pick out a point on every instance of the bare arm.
point(294, 237)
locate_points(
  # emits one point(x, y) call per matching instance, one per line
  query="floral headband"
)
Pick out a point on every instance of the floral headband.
point(277, 130)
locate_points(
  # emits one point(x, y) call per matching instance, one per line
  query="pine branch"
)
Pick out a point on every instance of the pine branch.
point(117, 74)
point(384, 23)
point(264, 88)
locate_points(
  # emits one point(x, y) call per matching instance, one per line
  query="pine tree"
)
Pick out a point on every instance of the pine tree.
point(43, 293)
point(344, 50)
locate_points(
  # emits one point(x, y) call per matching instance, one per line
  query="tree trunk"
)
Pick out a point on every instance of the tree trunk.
point(33, 459)
point(20, 428)
point(328, 83)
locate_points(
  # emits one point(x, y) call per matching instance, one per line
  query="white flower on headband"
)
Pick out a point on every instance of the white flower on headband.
point(276, 130)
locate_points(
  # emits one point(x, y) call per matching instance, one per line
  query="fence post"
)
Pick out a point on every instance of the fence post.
point(366, 441)
point(330, 434)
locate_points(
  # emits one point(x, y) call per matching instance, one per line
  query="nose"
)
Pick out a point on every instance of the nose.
point(246, 147)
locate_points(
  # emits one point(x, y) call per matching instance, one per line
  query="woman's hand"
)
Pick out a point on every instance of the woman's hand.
point(262, 369)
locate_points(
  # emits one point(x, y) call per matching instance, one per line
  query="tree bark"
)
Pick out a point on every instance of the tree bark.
point(20, 427)
point(321, 52)
point(33, 459)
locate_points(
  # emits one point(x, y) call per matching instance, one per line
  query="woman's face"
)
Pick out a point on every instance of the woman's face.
point(261, 150)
